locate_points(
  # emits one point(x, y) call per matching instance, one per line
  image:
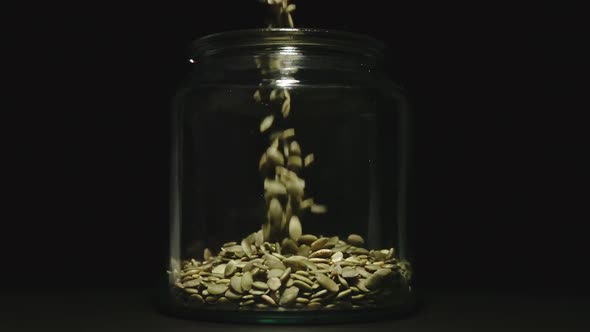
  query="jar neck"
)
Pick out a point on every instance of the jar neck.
point(269, 64)
point(285, 51)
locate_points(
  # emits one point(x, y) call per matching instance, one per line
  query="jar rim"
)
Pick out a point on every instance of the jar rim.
point(344, 41)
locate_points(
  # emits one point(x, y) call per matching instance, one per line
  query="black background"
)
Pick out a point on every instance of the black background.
point(497, 92)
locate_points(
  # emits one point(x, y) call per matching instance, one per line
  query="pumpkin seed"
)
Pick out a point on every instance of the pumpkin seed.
point(274, 283)
point(337, 256)
point(191, 283)
point(198, 298)
point(321, 253)
point(289, 296)
point(230, 269)
point(326, 282)
point(230, 294)
point(302, 285)
point(219, 269)
point(349, 272)
point(274, 273)
point(269, 300)
point(320, 294)
point(290, 247)
point(236, 284)
point(302, 278)
point(314, 306)
point(217, 289)
point(304, 250)
point(295, 229)
point(247, 303)
point(285, 274)
point(308, 160)
point(343, 294)
point(191, 290)
point(294, 148)
point(319, 243)
point(355, 240)
point(343, 281)
point(246, 248)
point(247, 281)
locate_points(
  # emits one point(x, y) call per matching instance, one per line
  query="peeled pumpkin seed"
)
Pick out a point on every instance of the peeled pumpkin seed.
point(314, 306)
point(321, 253)
point(302, 278)
point(246, 247)
point(274, 283)
point(337, 257)
point(257, 292)
point(295, 149)
point(317, 208)
point(326, 282)
point(285, 274)
point(274, 273)
point(217, 289)
point(308, 160)
point(230, 268)
point(319, 243)
point(232, 295)
point(343, 294)
point(304, 250)
point(289, 246)
point(191, 283)
point(191, 290)
point(349, 272)
point(276, 157)
point(319, 294)
point(307, 239)
point(207, 254)
point(289, 296)
point(294, 163)
point(247, 281)
point(302, 285)
point(268, 300)
point(260, 285)
point(198, 298)
point(271, 264)
point(236, 284)
point(219, 269)
point(295, 228)
point(288, 133)
point(355, 240)
point(286, 108)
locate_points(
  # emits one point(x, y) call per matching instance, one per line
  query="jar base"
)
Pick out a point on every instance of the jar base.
point(295, 317)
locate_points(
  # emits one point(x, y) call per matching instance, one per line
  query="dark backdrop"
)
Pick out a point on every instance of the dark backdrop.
point(498, 185)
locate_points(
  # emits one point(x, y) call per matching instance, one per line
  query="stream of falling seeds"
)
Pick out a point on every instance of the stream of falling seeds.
point(282, 161)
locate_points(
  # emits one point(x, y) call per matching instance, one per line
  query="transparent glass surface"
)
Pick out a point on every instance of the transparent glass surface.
point(290, 239)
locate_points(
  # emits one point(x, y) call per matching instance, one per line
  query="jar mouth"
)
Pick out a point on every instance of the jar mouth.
point(287, 39)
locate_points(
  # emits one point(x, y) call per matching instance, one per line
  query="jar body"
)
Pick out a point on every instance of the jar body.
point(236, 250)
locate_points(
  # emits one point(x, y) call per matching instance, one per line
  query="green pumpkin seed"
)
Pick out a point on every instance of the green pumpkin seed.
point(355, 240)
point(289, 296)
point(274, 283)
point(217, 289)
point(247, 281)
point(268, 300)
point(236, 284)
point(198, 298)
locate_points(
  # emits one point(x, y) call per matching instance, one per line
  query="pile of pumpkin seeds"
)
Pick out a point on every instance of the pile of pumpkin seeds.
point(312, 273)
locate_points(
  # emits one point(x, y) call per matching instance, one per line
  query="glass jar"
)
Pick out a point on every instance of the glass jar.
point(289, 167)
